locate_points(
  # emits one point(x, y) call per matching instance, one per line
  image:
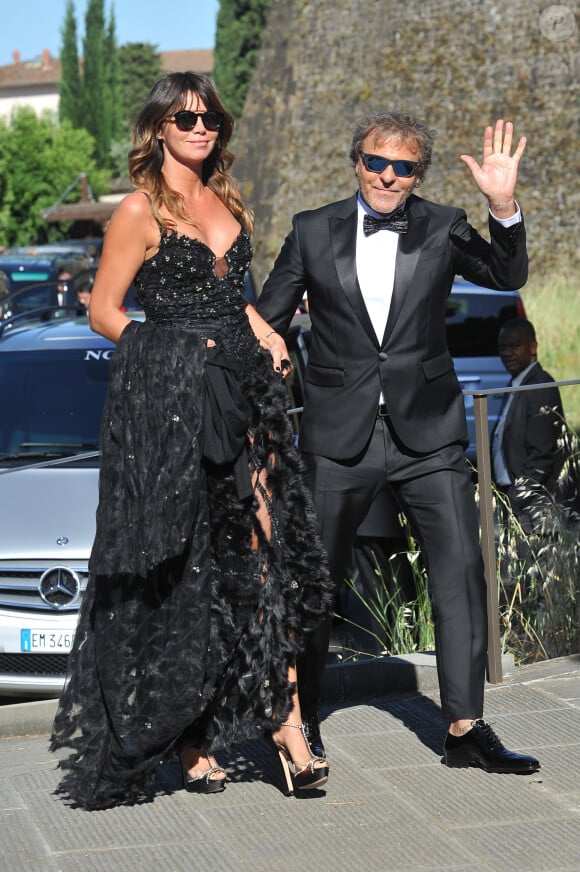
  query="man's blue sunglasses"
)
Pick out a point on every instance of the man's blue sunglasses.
point(374, 163)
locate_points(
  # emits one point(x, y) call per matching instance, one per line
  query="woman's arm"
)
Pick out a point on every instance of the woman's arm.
point(131, 234)
point(270, 340)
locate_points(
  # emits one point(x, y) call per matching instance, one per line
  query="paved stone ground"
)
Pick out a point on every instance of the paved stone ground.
point(389, 804)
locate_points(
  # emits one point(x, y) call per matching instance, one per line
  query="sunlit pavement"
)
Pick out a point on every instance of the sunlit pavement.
point(389, 804)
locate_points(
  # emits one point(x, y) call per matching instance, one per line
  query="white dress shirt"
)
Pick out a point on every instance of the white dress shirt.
point(501, 474)
point(375, 268)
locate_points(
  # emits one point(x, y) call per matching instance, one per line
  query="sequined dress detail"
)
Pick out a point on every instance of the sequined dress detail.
point(187, 628)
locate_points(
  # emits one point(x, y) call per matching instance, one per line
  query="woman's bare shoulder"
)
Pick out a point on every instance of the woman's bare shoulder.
point(137, 204)
point(134, 215)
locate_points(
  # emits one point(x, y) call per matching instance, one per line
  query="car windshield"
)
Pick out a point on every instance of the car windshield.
point(473, 321)
point(52, 402)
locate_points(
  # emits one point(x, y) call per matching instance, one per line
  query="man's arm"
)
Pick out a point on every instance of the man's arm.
point(543, 425)
point(285, 286)
point(501, 265)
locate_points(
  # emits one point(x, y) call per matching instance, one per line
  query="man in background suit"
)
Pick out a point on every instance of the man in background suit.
point(526, 457)
point(63, 288)
point(382, 401)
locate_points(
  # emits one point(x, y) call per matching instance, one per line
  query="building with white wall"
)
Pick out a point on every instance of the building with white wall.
point(35, 82)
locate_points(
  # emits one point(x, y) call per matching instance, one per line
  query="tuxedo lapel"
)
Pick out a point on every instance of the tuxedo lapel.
point(408, 252)
point(343, 243)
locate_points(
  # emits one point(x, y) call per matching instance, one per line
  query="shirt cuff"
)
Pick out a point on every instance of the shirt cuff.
point(508, 222)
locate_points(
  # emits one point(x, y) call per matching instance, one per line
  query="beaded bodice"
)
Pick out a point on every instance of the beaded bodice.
point(179, 285)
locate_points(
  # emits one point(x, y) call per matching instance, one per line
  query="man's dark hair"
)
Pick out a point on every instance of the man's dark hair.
point(395, 125)
point(519, 325)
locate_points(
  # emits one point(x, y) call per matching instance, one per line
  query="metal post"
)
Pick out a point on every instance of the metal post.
point(494, 671)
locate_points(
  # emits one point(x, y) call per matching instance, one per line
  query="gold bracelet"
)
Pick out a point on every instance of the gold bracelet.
point(269, 334)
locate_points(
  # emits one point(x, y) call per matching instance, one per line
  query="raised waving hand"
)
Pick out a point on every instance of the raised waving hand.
point(496, 177)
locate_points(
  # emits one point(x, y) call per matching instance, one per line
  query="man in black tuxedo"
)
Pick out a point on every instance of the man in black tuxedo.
point(525, 452)
point(382, 401)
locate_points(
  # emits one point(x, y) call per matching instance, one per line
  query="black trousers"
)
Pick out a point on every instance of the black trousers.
point(436, 493)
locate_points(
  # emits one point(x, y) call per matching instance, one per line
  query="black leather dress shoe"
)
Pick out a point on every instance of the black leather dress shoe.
point(481, 747)
point(312, 731)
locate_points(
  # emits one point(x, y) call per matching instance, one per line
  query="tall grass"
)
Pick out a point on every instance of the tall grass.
point(553, 306)
point(396, 626)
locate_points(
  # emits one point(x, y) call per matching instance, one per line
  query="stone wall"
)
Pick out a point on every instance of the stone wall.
point(458, 64)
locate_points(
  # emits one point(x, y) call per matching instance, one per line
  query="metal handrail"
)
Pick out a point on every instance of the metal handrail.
point(488, 546)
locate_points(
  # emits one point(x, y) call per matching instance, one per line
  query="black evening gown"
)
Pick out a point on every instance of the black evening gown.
point(187, 629)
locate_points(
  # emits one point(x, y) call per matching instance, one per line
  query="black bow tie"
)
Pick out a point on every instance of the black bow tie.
point(398, 222)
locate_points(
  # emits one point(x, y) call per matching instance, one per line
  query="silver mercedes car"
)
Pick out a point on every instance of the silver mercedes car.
point(53, 379)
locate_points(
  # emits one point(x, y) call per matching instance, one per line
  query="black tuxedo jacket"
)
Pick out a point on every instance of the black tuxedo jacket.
point(348, 367)
point(529, 441)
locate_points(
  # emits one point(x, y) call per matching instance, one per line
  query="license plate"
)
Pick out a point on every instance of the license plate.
point(45, 641)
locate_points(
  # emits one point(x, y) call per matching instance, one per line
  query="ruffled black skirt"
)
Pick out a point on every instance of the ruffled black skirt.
point(187, 630)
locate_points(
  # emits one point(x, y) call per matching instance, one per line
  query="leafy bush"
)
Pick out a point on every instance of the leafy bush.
point(40, 159)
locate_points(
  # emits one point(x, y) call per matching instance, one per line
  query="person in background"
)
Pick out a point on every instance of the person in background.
point(207, 571)
point(383, 404)
point(526, 454)
point(63, 286)
point(83, 298)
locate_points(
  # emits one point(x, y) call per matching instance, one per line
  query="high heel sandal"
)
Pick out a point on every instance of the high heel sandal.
point(203, 783)
point(308, 776)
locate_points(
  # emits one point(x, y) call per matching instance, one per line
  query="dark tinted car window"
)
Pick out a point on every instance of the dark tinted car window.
point(31, 298)
point(473, 322)
point(52, 401)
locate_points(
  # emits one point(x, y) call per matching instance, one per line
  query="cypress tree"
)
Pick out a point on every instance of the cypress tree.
point(140, 67)
point(240, 24)
point(96, 116)
point(70, 87)
point(113, 81)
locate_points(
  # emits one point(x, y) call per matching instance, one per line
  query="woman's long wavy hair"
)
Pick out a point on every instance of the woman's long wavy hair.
point(166, 97)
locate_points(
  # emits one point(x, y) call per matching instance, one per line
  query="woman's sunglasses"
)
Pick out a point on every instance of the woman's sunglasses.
point(377, 164)
point(186, 120)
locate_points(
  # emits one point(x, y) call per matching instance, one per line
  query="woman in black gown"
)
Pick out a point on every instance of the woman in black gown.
point(206, 570)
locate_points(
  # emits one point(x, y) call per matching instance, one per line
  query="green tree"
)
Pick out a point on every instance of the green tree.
point(40, 159)
point(240, 24)
point(91, 99)
point(70, 87)
point(140, 65)
point(113, 78)
point(5, 195)
point(95, 91)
